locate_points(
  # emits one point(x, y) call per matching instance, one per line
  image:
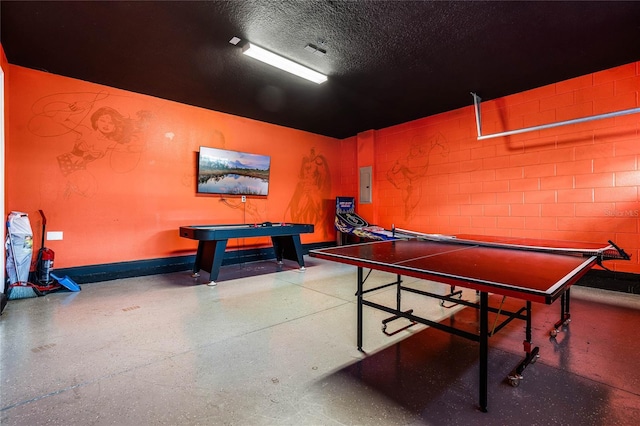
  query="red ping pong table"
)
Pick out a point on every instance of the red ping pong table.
point(527, 269)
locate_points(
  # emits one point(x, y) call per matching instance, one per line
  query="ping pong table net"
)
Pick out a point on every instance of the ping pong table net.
point(600, 251)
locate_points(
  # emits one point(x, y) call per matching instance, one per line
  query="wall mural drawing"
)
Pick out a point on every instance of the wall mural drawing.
point(314, 186)
point(96, 132)
point(407, 172)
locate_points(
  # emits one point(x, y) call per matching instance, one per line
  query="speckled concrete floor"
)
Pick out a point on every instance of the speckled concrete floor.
point(266, 348)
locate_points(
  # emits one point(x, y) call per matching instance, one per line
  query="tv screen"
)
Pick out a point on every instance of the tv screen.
point(221, 171)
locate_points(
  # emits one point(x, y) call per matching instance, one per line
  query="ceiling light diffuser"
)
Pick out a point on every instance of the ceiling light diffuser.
point(284, 64)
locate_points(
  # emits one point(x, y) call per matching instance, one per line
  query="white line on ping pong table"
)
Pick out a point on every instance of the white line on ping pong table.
point(436, 254)
point(506, 245)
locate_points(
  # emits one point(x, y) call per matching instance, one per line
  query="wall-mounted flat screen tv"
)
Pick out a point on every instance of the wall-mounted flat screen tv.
point(221, 171)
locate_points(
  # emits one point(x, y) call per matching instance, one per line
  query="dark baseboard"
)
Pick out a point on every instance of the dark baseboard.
point(140, 268)
point(615, 281)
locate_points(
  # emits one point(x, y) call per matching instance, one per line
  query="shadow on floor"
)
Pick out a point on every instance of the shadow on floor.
point(433, 378)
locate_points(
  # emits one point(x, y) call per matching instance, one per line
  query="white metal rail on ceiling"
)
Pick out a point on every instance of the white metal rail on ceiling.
point(477, 100)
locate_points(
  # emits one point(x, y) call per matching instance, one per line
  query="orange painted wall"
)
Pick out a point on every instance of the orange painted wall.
point(366, 158)
point(577, 182)
point(349, 161)
point(125, 196)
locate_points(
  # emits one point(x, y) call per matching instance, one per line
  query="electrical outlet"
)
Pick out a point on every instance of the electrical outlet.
point(244, 198)
point(54, 235)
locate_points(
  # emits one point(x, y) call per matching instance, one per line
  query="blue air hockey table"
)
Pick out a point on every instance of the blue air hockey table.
point(212, 242)
point(526, 269)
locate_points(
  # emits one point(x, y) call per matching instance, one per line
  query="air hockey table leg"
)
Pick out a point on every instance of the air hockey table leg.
point(196, 275)
point(288, 247)
point(280, 263)
point(209, 258)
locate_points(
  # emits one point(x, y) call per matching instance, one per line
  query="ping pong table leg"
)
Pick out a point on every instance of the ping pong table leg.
point(484, 349)
point(565, 315)
point(360, 284)
point(386, 321)
point(531, 353)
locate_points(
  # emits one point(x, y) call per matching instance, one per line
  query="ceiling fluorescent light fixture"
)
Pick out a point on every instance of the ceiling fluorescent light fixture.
point(284, 64)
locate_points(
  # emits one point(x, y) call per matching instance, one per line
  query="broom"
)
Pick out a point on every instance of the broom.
point(18, 289)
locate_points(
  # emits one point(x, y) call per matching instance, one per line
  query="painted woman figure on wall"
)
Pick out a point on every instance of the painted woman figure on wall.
point(110, 133)
point(314, 185)
point(407, 172)
point(107, 129)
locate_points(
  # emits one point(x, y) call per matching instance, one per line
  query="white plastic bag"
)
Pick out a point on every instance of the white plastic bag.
point(19, 247)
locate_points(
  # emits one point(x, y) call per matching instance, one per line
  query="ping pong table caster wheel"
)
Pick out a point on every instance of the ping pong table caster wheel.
point(553, 333)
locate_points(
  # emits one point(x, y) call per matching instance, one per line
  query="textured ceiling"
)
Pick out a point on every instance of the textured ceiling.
point(388, 61)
